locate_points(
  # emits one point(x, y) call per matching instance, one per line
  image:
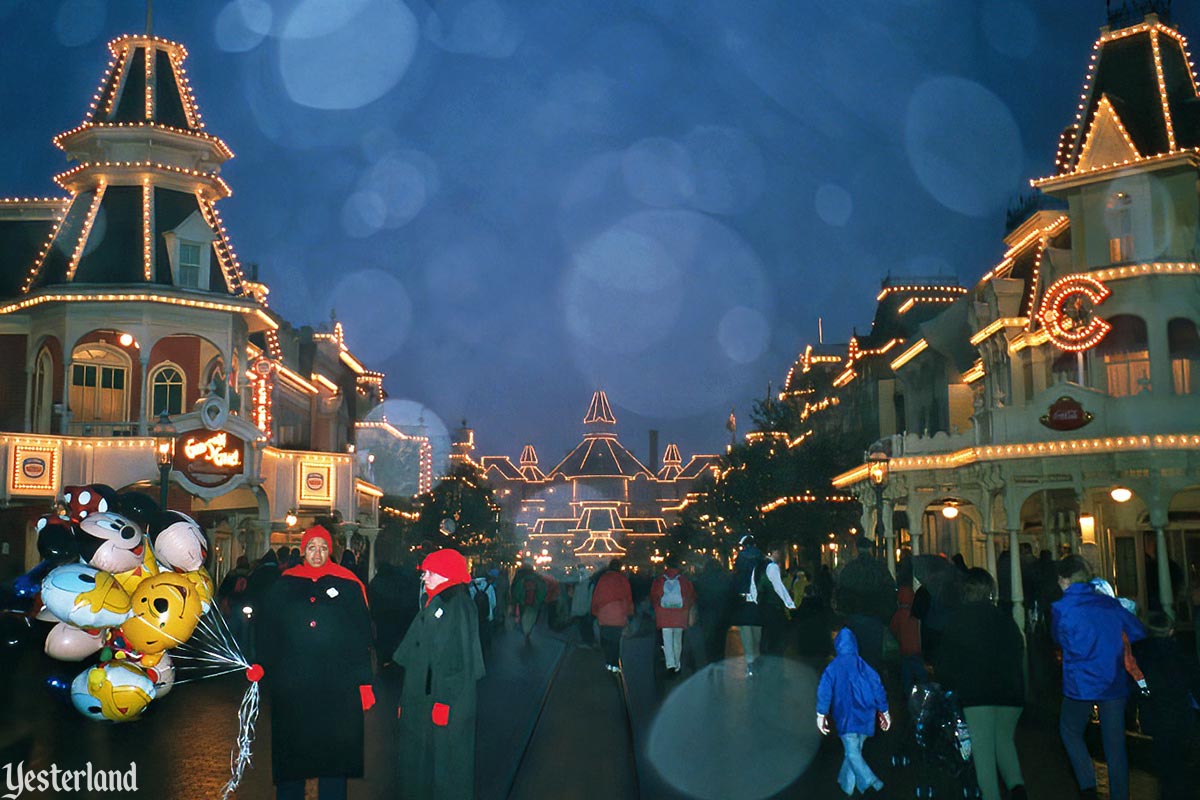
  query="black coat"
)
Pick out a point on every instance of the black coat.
point(314, 640)
point(442, 661)
point(979, 656)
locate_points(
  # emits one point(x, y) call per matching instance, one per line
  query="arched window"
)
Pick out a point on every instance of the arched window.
point(1184, 344)
point(166, 390)
point(1126, 356)
point(43, 391)
point(99, 384)
point(1118, 218)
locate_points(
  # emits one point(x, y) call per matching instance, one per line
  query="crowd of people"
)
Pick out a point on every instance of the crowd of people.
point(935, 629)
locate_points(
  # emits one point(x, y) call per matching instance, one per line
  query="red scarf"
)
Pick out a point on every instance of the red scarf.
point(304, 570)
point(450, 565)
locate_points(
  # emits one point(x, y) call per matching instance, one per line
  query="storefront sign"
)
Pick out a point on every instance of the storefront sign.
point(316, 482)
point(34, 470)
point(209, 459)
point(1066, 414)
point(1068, 312)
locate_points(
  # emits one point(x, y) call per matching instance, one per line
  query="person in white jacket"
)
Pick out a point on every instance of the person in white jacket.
point(773, 602)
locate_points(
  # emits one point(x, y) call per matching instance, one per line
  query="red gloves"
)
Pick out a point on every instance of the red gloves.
point(367, 693)
point(884, 719)
point(441, 714)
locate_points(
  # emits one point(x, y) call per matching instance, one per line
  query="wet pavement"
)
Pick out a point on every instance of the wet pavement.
point(552, 724)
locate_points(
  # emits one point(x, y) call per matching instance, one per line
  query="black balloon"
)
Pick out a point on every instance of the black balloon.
point(14, 630)
point(137, 506)
point(56, 541)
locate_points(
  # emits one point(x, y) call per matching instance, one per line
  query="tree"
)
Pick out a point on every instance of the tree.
point(461, 512)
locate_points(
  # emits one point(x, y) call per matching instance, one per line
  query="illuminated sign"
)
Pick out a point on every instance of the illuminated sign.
point(34, 470)
point(316, 482)
point(261, 388)
point(1066, 414)
point(1068, 312)
point(209, 459)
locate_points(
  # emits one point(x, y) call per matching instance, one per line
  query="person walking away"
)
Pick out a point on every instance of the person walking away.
point(501, 582)
point(528, 592)
point(230, 595)
point(612, 605)
point(980, 659)
point(852, 693)
point(442, 662)
point(314, 644)
point(258, 586)
point(907, 630)
point(672, 596)
point(797, 585)
point(1087, 625)
point(581, 605)
point(776, 603)
point(1169, 710)
point(393, 596)
point(747, 613)
point(484, 597)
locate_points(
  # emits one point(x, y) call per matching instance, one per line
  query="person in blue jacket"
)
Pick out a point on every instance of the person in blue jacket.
point(852, 691)
point(1088, 626)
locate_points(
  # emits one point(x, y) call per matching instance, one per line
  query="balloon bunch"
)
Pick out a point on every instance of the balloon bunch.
point(126, 583)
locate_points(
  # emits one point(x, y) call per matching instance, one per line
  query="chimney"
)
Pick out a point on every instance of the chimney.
point(653, 462)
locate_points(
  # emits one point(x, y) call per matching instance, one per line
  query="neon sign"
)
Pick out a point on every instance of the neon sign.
point(213, 451)
point(1068, 312)
point(209, 458)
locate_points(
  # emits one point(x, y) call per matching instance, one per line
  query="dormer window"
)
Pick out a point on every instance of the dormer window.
point(189, 265)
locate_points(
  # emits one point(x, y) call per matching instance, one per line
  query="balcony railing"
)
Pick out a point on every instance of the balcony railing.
point(102, 429)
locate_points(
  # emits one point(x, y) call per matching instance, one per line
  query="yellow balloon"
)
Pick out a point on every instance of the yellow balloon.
point(166, 609)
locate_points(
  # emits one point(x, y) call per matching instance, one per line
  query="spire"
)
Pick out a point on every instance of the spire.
point(599, 412)
point(671, 457)
point(529, 456)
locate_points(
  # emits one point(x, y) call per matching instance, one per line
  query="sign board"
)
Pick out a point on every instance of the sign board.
point(1068, 312)
point(316, 483)
point(34, 470)
point(209, 458)
point(1066, 414)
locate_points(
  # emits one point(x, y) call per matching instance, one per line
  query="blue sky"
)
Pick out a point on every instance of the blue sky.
point(510, 203)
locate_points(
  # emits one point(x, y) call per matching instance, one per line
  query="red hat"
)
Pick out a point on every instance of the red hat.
point(313, 533)
point(448, 563)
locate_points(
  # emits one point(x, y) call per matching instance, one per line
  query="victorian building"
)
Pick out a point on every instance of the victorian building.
point(1057, 403)
point(599, 502)
point(125, 313)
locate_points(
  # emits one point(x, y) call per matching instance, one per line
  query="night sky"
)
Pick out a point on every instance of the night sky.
point(510, 203)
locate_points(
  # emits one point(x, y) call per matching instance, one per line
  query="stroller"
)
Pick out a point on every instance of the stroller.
point(943, 742)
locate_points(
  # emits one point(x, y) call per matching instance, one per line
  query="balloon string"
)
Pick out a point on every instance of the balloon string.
point(238, 668)
point(241, 755)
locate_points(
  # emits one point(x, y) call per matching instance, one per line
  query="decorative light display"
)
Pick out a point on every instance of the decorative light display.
point(110, 167)
point(841, 380)
point(1151, 268)
point(974, 372)
point(1162, 89)
point(1105, 108)
point(1068, 312)
point(997, 325)
point(149, 62)
point(262, 385)
point(52, 296)
point(149, 125)
point(908, 355)
point(920, 287)
point(231, 268)
point(147, 230)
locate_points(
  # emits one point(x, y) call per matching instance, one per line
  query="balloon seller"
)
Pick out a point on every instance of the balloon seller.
point(442, 661)
point(313, 642)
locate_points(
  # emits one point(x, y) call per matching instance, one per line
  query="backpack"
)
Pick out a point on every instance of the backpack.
point(482, 605)
point(530, 592)
point(672, 596)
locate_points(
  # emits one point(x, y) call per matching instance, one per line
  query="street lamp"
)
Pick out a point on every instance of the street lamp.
point(877, 470)
point(291, 519)
point(950, 509)
point(1120, 494)
point(164, 452)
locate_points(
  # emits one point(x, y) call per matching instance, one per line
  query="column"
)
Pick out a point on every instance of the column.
point(1162, 380)
point(29, 396)
point(65, 422)
point(989, 541)
point(915, 524)
point(1014, 564)
point(143, 428)
point(989, 544)
point(1158, 521)
point(889, 533)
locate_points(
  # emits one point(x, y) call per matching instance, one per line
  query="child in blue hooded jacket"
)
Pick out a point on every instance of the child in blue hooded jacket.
point(851, 690)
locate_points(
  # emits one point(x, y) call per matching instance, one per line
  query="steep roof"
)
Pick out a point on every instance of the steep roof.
point(1139, 87)
point(600, 456)
point(599, 411)
point(25, 227)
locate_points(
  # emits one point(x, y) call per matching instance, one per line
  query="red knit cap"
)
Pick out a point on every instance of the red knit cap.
point(313, 533)
point(450, 564)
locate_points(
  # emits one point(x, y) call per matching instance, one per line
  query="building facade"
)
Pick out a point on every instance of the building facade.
point(1078, 353)
point(599, 502)
point(123, 301)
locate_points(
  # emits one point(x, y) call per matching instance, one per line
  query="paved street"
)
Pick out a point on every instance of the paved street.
point(552, 724)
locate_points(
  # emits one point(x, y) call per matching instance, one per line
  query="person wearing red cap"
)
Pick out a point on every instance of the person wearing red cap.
point(314, 639)
point(442, 660)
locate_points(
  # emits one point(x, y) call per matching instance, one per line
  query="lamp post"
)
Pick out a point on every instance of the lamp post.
point(877, 470)
point(164, 451)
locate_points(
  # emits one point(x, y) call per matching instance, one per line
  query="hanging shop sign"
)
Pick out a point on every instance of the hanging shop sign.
point(1066, 414)
point(316, 483)
point(208, 458)
point(34, 470)
point(1068, 312)
point(262, 385)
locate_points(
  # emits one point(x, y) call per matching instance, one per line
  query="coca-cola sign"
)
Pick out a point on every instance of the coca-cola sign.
point(1066, 414)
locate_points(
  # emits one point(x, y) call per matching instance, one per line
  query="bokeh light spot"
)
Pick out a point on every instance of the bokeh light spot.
point(743, 334)
point(658, 172)
point(79, 21)
point(375, 310)
point(834, 204)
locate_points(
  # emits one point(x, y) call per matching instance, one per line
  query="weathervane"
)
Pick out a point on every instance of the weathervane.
point(149, 17)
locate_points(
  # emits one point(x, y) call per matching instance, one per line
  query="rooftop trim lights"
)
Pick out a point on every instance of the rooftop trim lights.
point(217, 142)
point(1191, 154)
point(921, 287)
point(909, 354)
point(974, 372)
point(1007, 452)
point(137, 297)
point(1149, 268)
point(998, 325)
point(108, 166)
point(599, 410)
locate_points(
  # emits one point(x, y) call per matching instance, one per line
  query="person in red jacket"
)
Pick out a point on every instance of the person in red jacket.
point(612, 606)
point(672, 596)
point(907, 630)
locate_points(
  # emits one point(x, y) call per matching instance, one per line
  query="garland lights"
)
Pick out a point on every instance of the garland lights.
point(1081, 294)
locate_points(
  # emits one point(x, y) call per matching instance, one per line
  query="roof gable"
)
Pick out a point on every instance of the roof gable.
point(1108, 142)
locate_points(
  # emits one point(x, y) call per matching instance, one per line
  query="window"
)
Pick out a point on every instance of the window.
point(189, 265)
point(1067, 366)
point(1119, 219)
point(98, 385)
point(1184, 344)
point(43, 392)
point(166, 391)
point(1126, 356)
